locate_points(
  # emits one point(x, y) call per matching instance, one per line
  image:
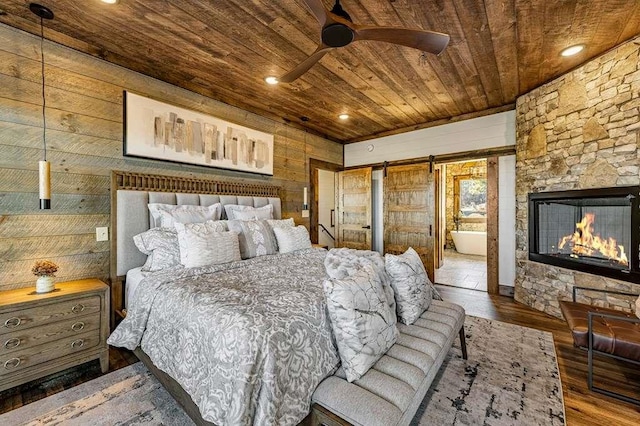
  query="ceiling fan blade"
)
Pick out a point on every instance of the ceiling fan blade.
point(318, 10)
point(427, 41)
point(305, 65)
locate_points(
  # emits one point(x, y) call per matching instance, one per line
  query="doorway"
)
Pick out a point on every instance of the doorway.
point(326, 208)
point(462, 221)
point(322, 176)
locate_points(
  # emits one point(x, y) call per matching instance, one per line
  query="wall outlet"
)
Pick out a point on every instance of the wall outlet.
point(305, 213)
point(102, 233)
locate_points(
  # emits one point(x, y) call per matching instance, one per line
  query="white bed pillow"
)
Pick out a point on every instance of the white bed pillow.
point(292, 238)
point(161, 247)
point(166, 215)
point(410, 284)
point(207, 243)
point(363, 324)
point(237, 212)
point(281, 223)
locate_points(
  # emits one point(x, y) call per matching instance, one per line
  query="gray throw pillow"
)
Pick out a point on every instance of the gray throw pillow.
point(280, 223)
point(161, 247)
point(292, 238)
point(203, 244)
point(255, 236)
point(342, 262)
point(410, 284)
point(362, 323)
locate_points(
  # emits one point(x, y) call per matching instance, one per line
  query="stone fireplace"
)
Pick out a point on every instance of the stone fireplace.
point(578, 132)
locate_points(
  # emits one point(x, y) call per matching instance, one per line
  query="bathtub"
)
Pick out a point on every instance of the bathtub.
point(470, 242)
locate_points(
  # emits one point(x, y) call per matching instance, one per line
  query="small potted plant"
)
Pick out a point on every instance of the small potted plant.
point(45, 271)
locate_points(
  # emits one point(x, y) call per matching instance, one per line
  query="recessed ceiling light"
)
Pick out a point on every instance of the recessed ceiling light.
point(109, 1)
point(570, 51)
point(271, 80)
point(343, 116)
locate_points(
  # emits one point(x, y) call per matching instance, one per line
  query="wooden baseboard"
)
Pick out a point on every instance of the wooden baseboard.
point(506, 290)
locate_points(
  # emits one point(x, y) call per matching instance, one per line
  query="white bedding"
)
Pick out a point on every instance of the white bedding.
point(249, 341)
point(134, 276)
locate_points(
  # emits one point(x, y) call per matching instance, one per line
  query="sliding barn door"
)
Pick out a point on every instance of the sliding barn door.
point(353, 209)
point(409, 212)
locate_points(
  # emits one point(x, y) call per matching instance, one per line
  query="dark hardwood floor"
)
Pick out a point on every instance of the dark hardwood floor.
point(582, 406)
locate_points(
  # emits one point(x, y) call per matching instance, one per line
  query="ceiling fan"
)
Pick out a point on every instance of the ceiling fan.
point(338, 30)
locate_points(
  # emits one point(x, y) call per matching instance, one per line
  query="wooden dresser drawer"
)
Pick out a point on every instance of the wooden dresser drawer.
point(23, 339)
point(48, 313)
point(42, 334)
point(25, 358)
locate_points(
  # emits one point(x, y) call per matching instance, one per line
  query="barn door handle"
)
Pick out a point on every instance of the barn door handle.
point(431, 230)
point(366, 227)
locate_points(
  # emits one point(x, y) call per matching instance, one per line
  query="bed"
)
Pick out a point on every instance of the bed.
point(244, 340)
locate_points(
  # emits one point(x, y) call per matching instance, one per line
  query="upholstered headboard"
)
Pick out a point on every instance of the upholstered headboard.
point(132, 192)
point(134, 217)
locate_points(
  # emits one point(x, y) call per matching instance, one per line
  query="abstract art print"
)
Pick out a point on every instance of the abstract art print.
point(161, 131)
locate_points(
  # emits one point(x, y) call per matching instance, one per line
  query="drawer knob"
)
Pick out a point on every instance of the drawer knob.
point(77, 343)
point(77, 326)
point(12, 322)
point(78, 308)
point(12, 363)
point(12, 343)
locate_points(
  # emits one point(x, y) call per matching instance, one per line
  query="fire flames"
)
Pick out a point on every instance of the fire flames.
point(583, 242)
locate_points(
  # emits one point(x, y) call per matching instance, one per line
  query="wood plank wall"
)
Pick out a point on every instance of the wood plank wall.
point(84, 135)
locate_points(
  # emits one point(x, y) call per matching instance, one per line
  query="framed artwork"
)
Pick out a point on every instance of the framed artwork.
point(160, 131)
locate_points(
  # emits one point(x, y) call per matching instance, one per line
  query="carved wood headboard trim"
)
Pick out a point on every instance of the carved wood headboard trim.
point(121, 180)
point(145, 182)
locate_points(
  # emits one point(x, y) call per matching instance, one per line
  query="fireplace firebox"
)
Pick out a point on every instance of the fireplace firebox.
point(592, 230)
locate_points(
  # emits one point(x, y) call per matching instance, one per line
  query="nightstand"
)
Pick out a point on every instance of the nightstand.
point(314, 245)
point(41, 334)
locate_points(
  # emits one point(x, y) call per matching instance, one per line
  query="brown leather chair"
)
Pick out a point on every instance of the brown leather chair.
point(603, 331)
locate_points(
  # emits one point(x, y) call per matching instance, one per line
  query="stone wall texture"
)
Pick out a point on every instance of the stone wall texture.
point(578, 131)
point(476, 169)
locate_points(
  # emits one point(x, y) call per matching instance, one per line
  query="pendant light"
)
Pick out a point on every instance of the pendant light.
point(44, 168)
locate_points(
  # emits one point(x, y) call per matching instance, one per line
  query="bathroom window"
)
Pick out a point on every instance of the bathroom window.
point(470, 198)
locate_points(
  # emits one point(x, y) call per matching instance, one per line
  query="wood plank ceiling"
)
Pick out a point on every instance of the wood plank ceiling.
point(499, 49)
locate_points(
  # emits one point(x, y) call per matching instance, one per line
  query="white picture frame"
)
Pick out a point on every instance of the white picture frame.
point(160, 131)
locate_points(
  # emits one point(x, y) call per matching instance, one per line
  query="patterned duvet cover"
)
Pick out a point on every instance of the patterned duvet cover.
point(249, 341)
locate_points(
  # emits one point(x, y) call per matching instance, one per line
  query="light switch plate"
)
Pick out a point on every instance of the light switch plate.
point(305, 213)
point(102, 233)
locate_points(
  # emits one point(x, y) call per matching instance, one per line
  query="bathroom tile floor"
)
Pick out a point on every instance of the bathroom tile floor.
point(463, 270)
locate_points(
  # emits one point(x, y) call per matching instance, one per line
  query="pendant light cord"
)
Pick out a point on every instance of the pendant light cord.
point(44, 100)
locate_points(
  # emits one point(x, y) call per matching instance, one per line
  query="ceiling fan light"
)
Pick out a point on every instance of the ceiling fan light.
point(572, 50)
point(109, 1)
point(343, 116)
point(271, 80)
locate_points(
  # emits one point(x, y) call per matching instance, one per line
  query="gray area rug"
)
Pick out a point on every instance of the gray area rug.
point(510, 378)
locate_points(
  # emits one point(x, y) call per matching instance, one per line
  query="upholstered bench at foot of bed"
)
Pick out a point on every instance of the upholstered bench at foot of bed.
point(391, 392)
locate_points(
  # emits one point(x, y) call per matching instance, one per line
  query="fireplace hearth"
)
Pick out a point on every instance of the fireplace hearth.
point(593, 230)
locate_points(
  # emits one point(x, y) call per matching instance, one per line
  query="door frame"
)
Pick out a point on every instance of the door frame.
point(314, 166)
point(492, 220)
point(491, 155)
